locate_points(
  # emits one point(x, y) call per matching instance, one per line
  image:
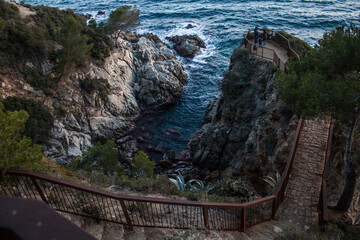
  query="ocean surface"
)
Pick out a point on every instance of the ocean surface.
point(222, 25)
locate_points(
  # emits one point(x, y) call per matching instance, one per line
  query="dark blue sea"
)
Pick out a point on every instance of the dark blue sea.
point(222, 25)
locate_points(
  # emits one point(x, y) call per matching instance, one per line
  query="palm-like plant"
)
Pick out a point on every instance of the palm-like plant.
point(192, 185)
point(272, 181)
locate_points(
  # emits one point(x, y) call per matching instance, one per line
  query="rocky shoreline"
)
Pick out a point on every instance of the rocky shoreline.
point(142, 74)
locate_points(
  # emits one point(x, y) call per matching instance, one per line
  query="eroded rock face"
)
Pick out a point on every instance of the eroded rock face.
point(142, 73)
point(247, 131)
point(187, 45)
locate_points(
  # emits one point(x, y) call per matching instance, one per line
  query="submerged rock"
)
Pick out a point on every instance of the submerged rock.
point(187, 45)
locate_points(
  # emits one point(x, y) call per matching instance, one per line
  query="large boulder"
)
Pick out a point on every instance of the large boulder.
point(187, 45)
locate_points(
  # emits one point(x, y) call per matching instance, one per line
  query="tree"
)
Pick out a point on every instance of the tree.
point(143, 166)
point(100, 157)
point(121, 19)
point(326, 82)
point(75, 48)
point(16, 151)
point(40, 120)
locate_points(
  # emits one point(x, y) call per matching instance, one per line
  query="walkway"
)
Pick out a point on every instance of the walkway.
point(303, 191)
point(267, 51)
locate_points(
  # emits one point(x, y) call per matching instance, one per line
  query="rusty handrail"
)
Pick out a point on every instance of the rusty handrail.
point(281, 187)
point(276, 59)
point(135, 198)
point(322, 205)
point(101, 199)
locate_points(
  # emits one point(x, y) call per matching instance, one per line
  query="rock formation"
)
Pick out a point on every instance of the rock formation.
point(187, 45)
point(247, 130)
point(142, 73)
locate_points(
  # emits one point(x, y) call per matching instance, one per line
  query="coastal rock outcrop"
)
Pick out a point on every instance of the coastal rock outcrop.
point(187, 45)
point(247, 130)
point(141, 74)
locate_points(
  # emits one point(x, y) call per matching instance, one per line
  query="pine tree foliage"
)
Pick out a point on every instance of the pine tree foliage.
point(16, 151)
point(326, 80)
point(75, 48)
point(121, 19)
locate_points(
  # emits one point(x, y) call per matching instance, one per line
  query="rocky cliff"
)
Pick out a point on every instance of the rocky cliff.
point(247, 131)
point(142, 73)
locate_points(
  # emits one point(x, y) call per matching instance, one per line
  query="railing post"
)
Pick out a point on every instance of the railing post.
point(206, 218)
point(39, 190)
point(243, 219)
point(128, 220)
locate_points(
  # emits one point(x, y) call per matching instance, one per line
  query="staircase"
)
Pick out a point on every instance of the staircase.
point(301, 199)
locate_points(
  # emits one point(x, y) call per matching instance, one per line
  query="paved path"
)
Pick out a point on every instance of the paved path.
point(303, 190)
point(268, 51)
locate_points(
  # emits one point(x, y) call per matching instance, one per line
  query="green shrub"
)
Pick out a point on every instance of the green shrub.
point(145, 184)
point(234, 188)
point(40, 122)
point(100, 157)
point(143, 166)
point(16, 150)
point(95, 84)
point(39, 81)
point(102, 45)
point(239, 54)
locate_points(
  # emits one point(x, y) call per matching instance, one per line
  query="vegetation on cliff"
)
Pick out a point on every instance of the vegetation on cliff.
point(39, 122)
point(36, 38)
point(16, 151)
point(326, 82)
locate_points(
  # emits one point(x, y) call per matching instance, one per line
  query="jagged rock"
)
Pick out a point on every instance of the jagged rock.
point(100, 13)
point(190, 26)
point(165, 163)
point(187, 45)
point(141, 74)
point(239, 135)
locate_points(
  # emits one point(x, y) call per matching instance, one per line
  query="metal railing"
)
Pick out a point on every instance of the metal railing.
point(129, 210)
point(280, 190)
point(133, 211)
point(322, 205)
point(269, 53)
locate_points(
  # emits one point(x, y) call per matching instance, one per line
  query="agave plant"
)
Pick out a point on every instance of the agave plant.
point(273, 182)
point(192, 185)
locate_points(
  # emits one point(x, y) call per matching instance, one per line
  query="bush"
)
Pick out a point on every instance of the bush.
point(143, 166)
point(16, 150)
point(95, 84)
point(40, 82)
point(159, 184)
point(100, 157)
point(40, 122)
